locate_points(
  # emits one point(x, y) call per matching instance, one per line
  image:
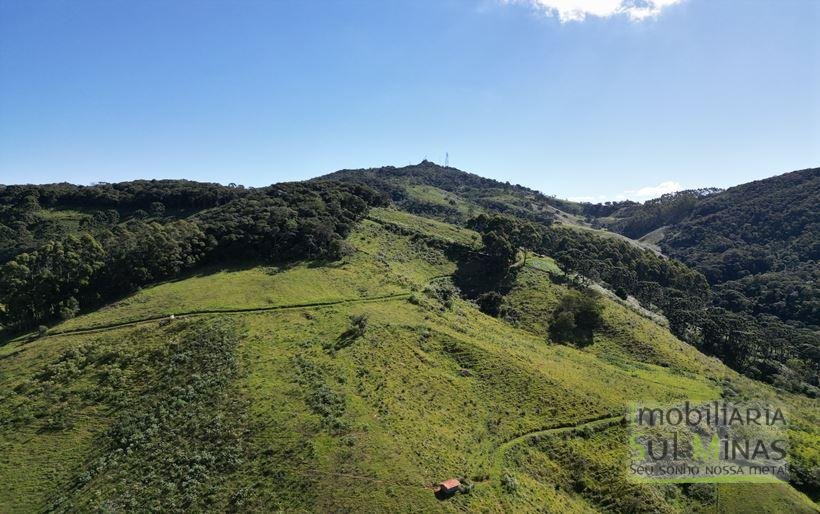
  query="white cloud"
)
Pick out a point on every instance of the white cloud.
point(649, 192)
point(578, 10)
point(639, 195)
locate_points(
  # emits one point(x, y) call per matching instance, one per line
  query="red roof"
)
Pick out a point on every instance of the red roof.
point(451, 483)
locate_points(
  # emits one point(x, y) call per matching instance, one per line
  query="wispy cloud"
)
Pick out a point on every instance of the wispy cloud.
point(578, 10)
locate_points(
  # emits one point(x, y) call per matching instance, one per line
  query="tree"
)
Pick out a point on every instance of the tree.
point(575, 317)
point(499, 249)
point(157, 209)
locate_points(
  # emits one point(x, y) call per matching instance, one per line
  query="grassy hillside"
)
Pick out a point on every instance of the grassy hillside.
point(353, 385)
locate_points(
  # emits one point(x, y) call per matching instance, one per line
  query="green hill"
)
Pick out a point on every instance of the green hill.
point(279, 402)
point(325, 346)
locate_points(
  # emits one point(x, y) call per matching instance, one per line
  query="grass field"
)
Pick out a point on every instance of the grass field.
point(430, 227)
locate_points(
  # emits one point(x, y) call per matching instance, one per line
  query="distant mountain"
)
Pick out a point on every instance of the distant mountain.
point(764, 226)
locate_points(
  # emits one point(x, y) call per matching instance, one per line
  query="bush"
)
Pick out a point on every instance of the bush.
point(444, 291)
point(509, 483)
point(703, 493)
point(358, 324)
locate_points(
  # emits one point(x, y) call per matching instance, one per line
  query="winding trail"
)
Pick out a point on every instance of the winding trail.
point(598, 423)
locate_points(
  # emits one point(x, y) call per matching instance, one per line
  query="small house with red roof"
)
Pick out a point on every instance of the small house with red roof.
point(447, 488)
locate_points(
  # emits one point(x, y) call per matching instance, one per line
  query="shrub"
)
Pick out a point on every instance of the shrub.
point(704, 493)
point(58, 421)
point(358, 324)
point(444, 291)
point(178, 424)
point(509, 483)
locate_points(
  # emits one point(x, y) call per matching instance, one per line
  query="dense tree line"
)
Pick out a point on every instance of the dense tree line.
point(668, 285)
point(634, 219)
point(291, 221)
point(137, 194)
point(26, 211)
point(761, 346)
point(106, 257)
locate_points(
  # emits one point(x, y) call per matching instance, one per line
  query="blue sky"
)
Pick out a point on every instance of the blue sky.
point(594, 99)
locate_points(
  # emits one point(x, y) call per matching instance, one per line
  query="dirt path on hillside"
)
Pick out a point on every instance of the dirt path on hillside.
point(205, 312)
point(183, 315)
point(593, 424)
